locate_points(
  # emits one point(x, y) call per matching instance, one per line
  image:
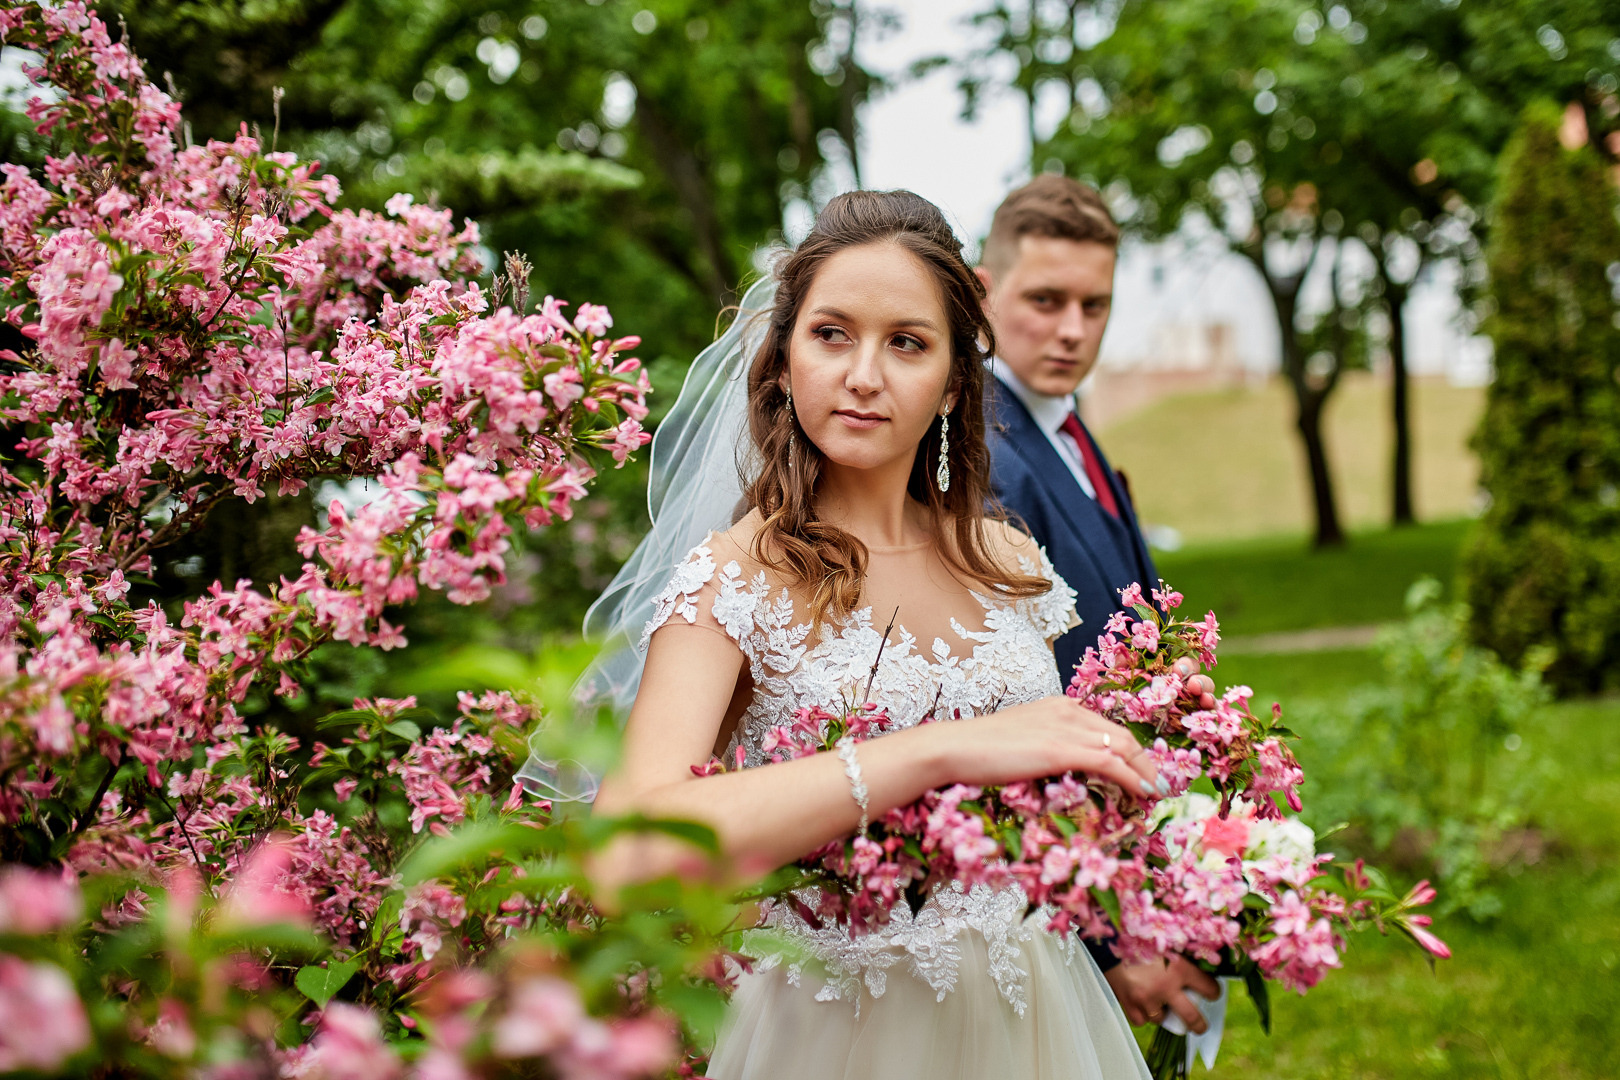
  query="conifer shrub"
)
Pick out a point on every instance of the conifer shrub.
point(1543, 565)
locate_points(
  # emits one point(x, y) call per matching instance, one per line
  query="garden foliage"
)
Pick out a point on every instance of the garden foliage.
point(1432, 763)
point(1544, 564)
point(189, 894)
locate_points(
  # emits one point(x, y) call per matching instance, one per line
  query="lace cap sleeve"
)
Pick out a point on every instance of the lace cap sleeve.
point(708, 589)
point(1052, 613)
point(680, 597)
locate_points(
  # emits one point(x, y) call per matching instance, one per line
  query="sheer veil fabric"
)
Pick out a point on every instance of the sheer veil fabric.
point(699, 456)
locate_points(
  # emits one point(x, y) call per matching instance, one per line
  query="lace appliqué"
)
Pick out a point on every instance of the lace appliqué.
point(1010, 663)
point(924, 945)
point(681, 594)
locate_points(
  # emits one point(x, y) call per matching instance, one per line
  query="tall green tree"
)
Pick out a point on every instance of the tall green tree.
point(1204, 118)
point(1543, 566)
point(1441, 87)
point(1393, 114)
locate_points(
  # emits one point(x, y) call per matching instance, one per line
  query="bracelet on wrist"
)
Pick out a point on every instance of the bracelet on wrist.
point(852, 769)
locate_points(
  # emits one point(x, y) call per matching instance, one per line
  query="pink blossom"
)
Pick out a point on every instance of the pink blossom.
point(261, 893)
point(117, 365)
point(171, 1034)
point(542, 1016)
point(1417, 925)
point(349, 1046)
point(37, 901)
point(42, 1020)
point(643, 1046)
point(593, 319)
point(1228, 835)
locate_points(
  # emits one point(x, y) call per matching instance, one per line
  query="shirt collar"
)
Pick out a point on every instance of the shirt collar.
point(1047, 411)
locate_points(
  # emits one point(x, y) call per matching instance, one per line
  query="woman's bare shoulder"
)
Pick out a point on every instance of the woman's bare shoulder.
point(1008, 541)
point(737, 544)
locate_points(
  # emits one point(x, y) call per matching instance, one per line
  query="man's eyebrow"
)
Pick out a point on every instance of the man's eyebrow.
point(1035, 290)
point(843, 316)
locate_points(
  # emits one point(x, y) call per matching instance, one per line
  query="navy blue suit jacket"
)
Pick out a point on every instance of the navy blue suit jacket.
point(1095, 552)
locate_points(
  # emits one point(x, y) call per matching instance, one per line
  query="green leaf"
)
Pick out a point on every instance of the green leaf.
point(405, 729)
point(1109, 902)
point(1256, 985)
point(344, 716)
point(472, 844)
point(321, 395)
point(699, 836)
point(321, 984)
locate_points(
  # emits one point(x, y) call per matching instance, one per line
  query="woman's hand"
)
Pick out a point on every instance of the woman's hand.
point(1043, 738)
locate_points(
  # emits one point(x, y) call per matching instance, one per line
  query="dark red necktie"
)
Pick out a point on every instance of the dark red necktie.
point(1094, 469)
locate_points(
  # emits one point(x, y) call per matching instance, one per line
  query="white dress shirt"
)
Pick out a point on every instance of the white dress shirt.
point(1049, 413)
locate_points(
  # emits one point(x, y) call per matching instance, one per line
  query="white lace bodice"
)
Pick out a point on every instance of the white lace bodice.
point(1010, 663)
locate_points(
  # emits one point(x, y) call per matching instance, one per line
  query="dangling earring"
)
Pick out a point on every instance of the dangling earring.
point(943, 476)
point(789, 392)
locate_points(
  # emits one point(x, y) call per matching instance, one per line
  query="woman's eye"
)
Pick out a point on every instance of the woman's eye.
point(907, 343)
point(832, 335)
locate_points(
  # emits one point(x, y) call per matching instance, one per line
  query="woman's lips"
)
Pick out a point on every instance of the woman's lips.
point(860, 421)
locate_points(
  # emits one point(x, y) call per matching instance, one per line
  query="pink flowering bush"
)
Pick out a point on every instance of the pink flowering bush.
point(186, 892)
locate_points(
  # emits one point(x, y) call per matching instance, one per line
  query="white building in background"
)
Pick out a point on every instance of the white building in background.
point(1184, 310)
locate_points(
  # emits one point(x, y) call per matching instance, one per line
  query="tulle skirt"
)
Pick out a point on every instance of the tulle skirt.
point(1072, 1028)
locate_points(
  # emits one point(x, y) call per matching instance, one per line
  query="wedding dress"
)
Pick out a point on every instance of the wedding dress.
point(972, 985)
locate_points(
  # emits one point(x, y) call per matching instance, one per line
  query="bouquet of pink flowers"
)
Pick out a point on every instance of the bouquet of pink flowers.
point(1224, 877)
point(1060, 839)
point(1217, 871)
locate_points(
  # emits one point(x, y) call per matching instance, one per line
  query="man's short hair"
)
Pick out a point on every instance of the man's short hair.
point(1049, 205)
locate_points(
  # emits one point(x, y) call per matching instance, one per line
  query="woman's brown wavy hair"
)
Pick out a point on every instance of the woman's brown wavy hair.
point(825, 559)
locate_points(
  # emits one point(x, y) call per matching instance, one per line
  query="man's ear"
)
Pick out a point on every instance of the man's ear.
point(983, 274)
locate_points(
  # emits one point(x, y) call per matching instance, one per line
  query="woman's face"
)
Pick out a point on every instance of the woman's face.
point(869, 360)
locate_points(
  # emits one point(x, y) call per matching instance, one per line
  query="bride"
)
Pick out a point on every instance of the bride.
point(866, 497)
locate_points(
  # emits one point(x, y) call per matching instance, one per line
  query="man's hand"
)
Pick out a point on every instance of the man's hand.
point(1147, 991)
point(1201, 685)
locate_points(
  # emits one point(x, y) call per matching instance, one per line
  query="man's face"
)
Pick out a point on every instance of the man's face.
point(1049, 310)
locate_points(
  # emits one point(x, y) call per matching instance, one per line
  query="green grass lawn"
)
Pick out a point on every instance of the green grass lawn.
point(1227, 463)
point(1276, 584)
point(1534, 992)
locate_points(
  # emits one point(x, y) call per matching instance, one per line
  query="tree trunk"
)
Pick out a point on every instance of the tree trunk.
point(718, 274)
point(1309, 401)
point(1329, 533)
point(1401, 512)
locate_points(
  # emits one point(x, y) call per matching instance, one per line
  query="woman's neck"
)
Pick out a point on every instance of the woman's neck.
point(872, 504)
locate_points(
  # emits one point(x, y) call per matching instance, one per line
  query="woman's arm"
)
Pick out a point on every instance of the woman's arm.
point(769, 816)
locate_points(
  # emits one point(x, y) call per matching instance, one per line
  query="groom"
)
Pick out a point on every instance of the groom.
point(1049, 267)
